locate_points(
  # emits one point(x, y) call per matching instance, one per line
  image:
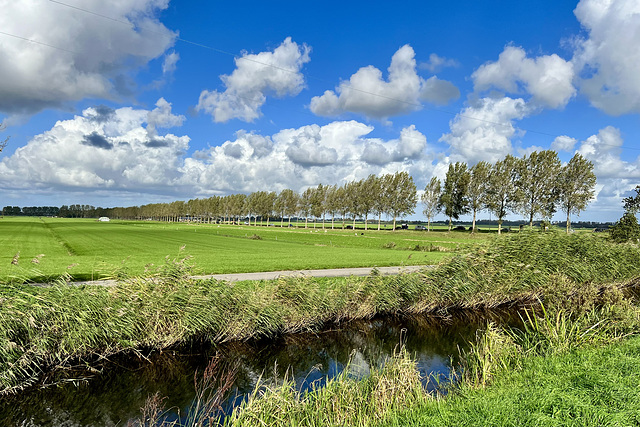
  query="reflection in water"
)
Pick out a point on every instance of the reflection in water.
point(117, 395)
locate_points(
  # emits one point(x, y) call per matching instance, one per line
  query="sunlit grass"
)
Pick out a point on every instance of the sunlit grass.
point(86, 249)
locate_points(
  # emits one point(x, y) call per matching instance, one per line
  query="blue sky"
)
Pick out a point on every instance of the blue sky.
point(141, 101)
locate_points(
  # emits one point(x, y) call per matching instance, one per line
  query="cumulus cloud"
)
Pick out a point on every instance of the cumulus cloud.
point(255, 76)
point(548, 79)
point(90, 57)
point(615, 176)
point(483, 131)
point(437, 63)
point(368, 93)
point(101, 149)
point(608, 59)
point(112, 150)
point(563, 143)
point(305, 156)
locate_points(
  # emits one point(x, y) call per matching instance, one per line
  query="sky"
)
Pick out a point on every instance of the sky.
point(130, 102)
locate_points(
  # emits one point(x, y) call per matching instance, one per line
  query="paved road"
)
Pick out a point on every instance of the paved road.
point(270, 275)
point(333, 272)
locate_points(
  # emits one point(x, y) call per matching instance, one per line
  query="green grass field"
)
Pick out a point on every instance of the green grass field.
point(87, 249)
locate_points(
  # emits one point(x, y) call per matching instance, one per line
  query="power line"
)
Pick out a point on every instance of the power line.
point(246, 58)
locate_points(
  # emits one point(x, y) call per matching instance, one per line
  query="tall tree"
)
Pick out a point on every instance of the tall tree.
point(368, 193)
point(286, 204)
point(477, 190)
point(318, 203)
point(401, 194)
point(501, 191)
point(431, 200)
point(575, 185)
point(536, 184)
point(453, 198)
point(304, 204)
point(333, 202)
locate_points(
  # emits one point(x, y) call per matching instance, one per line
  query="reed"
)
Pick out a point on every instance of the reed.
point(45, 328)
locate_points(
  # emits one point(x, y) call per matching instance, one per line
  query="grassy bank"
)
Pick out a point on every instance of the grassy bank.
point(44, 328)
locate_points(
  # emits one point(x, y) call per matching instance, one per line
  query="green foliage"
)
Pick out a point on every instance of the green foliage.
point(626, 229)
point(454, 197)
point(536, 184)
point(575, 186)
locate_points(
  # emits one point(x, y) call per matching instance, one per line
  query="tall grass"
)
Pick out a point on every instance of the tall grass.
point(43, 328)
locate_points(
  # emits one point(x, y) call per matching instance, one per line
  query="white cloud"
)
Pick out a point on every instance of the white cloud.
point(615, 175)
point(305, 156)
point(101, 149)
point(107, 150)
point(169, 63)
point(436, 63)
point(93, 57)
point(255, 76)
point(609, 57)
point(368, 93)
point(483, 131)
point(548, 78)
point(563, 143)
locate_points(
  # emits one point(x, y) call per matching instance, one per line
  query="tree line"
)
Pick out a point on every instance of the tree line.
point(535, 186)
point(392, 195)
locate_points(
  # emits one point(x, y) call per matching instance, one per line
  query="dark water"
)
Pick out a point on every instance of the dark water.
point(115, 395)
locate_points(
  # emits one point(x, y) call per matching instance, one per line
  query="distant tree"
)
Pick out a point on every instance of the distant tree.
point(353, 198)
point(380, 201)
point(631, 203)
point(454, 199)
point(477, 190)
point(333, 202)
point(431, 200)
point(286, 204)
point(537, 176)
point(627, 227)
point(342, 202)
point(304, 205)
point(501, 191)
point(401, 195)
point(575, 184)
point(368, 193)
point(318, 203)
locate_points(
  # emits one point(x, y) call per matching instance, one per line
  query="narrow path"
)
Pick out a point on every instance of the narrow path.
point(271, 275)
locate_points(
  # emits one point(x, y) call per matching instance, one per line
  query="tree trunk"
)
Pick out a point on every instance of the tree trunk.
point(499, 226)
point(306, 222)
point(379, 217)
point(568, 223)
point(449, 223)
point(473, 226)
point(428, 224)
point(394, 222)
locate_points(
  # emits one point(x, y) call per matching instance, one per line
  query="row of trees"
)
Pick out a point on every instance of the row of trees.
point(393, 195)
point(70, 211)
point(535, 185)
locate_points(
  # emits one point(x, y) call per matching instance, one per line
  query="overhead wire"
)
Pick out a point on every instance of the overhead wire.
point(308, 76)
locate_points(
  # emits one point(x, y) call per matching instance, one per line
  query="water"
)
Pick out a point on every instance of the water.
point(116, 395)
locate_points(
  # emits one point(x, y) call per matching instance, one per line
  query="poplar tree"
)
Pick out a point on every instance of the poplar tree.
point(453, 198)
point(477, 190)
point(537, 176)
point(401, 195)
point(431, 200)
point(575, 184)
point(501, 191)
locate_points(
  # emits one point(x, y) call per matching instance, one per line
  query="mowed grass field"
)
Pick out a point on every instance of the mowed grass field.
point(38, 249)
